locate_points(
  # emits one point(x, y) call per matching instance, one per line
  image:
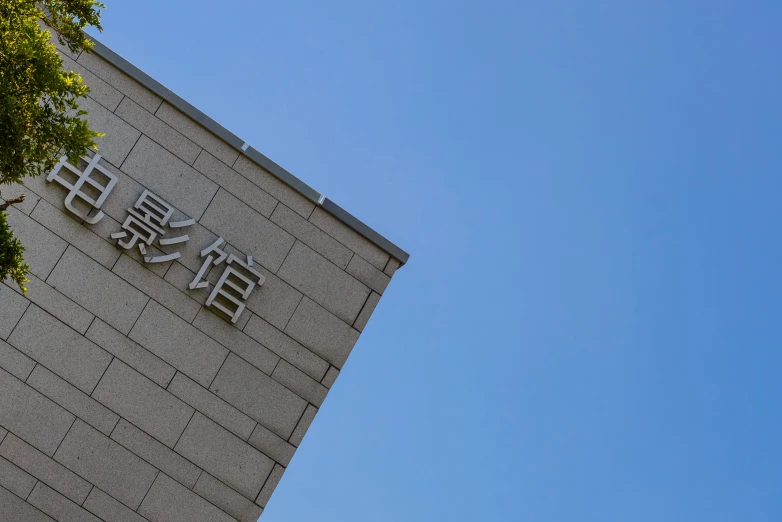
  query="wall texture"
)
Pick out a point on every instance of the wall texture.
point(122, 398)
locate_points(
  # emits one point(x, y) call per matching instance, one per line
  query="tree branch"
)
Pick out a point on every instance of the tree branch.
point(4, 206)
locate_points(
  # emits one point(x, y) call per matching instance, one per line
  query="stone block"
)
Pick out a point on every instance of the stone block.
point(120, 81)
point(53, 193)
point(12, 309)
point(30, 415)
point(368, 274)
point(312, 236)
point(235, 183)
point(212, 406)
point(98, 290)
point(156, 288)
point(56, 505)
point(109, 509)
point(170, 178)
point(15, 362)
point(239, 343)
point(198, 134)
point(169, 501)
point(323, 333)
point(100, 91)
point(81, 236)
point(304, 424)
point(143, 403)
point(227, 499)
point(200, 238)
point(158, 130)
point(296, 381)
point(258, 395)
point(61, 349)
point(330, 378)
point(323, 282)
point(13, 508)
point(130, 353)
point(57, 304)
point(366, 312)
point(119, 136)
point(15, 479)
point(350, 238)
point(247, 230)
point(275, 301)
point(156, 453)
point(179, 343)
point(180, 276)
point(225, 456)
point(270, 486)
point(73, 400)
point(42, 249)
point(285, 347)
point(272, 445)
point(45, 469)
point(274, 186)
point(13, 191)
point(106, 464)
point(392, 266)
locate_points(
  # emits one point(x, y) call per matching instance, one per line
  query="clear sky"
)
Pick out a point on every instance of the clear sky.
point(589, 326)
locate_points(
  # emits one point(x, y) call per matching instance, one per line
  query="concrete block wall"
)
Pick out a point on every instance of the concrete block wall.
point(122, 398)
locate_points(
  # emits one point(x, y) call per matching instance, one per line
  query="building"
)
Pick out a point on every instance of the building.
point(190, 305)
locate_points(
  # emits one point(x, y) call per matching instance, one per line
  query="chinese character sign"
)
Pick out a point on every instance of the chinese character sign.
point(146, 222)
point(87, 184)
point(235, 284)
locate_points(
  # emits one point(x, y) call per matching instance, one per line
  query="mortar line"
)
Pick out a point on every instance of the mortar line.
point(148, 490)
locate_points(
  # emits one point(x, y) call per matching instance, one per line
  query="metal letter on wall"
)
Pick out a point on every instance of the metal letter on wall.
point(85, 177)
point(146, 224)
point(234, 286)
point(147, 221)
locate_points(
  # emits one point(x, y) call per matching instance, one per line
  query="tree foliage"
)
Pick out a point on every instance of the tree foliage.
point(11, 250)
point(40, 117)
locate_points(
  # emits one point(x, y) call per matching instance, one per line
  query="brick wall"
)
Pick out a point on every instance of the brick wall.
point(122, 398)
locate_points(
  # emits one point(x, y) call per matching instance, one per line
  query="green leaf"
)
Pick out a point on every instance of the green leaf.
point(39, 110)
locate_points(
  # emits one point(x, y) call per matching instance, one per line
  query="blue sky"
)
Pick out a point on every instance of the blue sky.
point(589, 328)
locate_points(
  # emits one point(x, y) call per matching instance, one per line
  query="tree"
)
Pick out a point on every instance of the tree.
point(40, 118)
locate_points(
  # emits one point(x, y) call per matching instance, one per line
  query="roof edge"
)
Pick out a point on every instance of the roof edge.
point(251, 153)
point(357, 225)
